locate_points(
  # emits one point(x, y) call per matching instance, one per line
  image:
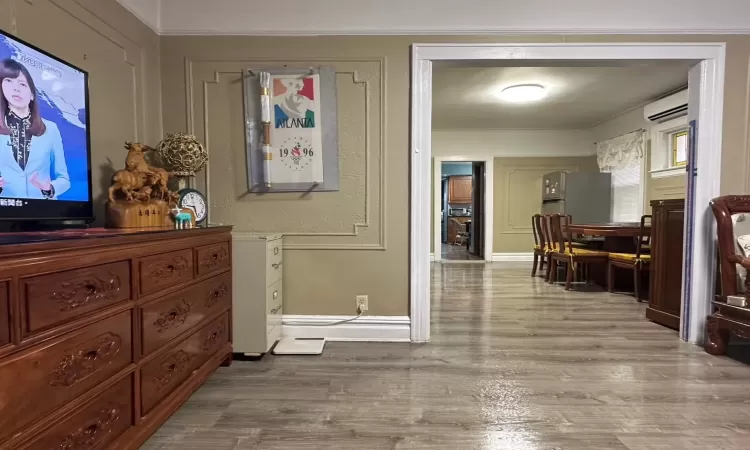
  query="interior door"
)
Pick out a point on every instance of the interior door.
point(476, 246)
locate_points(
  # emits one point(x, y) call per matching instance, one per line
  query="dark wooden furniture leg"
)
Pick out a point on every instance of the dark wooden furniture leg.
point(717, 337)
point(610, 277)
point(637, 282)
point(552, 271)
point(535, 263)
point(569, 275)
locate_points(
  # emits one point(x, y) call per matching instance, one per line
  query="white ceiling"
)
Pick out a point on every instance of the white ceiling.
point(577, 97)
point(305, 17)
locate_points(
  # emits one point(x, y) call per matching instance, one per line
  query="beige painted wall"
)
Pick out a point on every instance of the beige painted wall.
point(518, 184)
point(325, 272)
point(121, 55)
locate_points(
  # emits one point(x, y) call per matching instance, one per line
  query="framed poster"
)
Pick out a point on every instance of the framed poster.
point(302, 152)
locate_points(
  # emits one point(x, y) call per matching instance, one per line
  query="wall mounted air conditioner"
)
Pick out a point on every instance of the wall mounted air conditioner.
point(667, 108)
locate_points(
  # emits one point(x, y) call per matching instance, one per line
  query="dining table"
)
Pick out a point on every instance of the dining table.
point(612, 237)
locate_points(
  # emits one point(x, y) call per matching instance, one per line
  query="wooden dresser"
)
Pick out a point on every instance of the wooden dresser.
point(105, 333)
point(667, 224)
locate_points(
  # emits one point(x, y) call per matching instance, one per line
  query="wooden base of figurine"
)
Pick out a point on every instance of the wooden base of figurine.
point(139, 214)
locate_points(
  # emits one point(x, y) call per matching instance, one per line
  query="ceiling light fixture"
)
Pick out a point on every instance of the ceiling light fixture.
point(523, 93)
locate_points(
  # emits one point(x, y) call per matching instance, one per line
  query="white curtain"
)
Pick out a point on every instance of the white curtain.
point(622, 157)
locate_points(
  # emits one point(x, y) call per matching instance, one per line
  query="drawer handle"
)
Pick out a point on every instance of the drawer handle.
point(215, 256)
point(276, 265)
point(170, 268)
point(276, 250)
point(275, 294)
point(276, 309)
point(90, 288)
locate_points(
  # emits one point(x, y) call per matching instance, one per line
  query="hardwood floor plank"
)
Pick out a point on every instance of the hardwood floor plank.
point(514, 363)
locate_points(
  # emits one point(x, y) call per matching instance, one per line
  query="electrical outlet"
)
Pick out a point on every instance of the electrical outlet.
point(361, 303)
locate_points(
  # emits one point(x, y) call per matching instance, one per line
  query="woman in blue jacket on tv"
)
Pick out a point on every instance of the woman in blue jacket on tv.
point(32, 160)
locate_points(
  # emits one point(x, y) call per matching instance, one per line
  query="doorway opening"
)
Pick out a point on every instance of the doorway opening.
point(459, 229)
point(706, 100)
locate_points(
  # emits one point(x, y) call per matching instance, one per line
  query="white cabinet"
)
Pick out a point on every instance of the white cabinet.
point(258, 263)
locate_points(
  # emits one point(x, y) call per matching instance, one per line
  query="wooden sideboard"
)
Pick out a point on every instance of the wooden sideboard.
point(105, 333)
point(665, 294)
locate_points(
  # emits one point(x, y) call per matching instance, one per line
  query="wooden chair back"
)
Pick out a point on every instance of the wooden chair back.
point(723, 209)
point(560, 235)
point(536, 227)
point(547, 231)
point(644, 236)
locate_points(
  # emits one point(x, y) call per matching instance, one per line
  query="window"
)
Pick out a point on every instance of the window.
point(679, 148)
point(669, 148)
point(626, 194)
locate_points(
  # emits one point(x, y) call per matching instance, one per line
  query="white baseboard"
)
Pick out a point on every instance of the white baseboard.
point(432, 257)
point(506, 257)
point(365, 328)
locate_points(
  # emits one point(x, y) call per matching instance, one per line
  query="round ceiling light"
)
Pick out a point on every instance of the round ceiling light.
point(523, 93)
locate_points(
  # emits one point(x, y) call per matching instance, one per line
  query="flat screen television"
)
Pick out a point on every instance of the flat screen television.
point(45, 145)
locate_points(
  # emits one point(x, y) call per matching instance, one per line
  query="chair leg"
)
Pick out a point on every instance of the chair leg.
point(552, 271)
point(637, 282)
point(569, 275)
point(610, 278)
point(535, 263)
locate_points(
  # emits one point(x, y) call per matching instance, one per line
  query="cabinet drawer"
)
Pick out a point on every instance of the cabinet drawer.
point(164, 270)
point(166, 318)
point(95, 426)
point(274, 259)
point(212, 258)
point(274, 305)
point(162, 375)
point(60, 297)
point(54, 373)
point(4, 315)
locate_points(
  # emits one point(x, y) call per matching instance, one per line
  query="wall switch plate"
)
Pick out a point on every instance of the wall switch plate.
point(362, 303)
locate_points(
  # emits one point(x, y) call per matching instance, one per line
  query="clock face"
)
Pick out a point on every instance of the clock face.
point(196, 201)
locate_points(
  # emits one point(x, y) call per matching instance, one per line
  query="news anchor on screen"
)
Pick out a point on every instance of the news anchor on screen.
point(32, 160)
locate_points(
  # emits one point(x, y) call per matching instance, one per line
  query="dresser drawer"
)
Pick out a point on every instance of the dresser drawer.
point(166, 318)
point(56, 372)
point(4, 315)
point(162, 375)
point(274, 259)
point(274, 305)
point(212, 258)
point(63, 296)
point(164, 270)
point(95, 426)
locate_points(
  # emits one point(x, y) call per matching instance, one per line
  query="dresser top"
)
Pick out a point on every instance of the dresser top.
point(23, 242)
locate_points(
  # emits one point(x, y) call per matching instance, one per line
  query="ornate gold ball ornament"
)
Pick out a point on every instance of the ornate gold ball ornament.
point(182, 153)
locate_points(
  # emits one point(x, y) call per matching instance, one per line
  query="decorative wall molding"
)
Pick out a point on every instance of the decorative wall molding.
point(511, 257)
point(357, 79)
point(365, 328)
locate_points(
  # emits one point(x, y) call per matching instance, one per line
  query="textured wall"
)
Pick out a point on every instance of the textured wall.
point(121, 55)
point(325, 270)
point(518, 195)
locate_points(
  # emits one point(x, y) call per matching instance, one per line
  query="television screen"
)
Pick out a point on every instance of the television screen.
point(44, 135)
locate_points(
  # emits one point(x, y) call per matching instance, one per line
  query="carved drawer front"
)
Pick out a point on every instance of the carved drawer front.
point(274, 259)
point(162, 375)
point(60, 297)
point(164, 270)
point(4, 315)
point(55, 372)
point(212, 258)
point(166, 318)
point(95, 426)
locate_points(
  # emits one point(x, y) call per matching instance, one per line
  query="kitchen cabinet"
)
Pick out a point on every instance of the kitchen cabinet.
point(459, 189)
point(667, 222)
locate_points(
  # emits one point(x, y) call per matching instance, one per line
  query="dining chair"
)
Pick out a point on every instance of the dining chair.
point(563, 252)
point(637, 262)
point(540, 244)
point(462, 236)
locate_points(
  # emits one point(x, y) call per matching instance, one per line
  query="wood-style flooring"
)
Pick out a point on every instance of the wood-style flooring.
point(457, 253)
point(513, 364)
